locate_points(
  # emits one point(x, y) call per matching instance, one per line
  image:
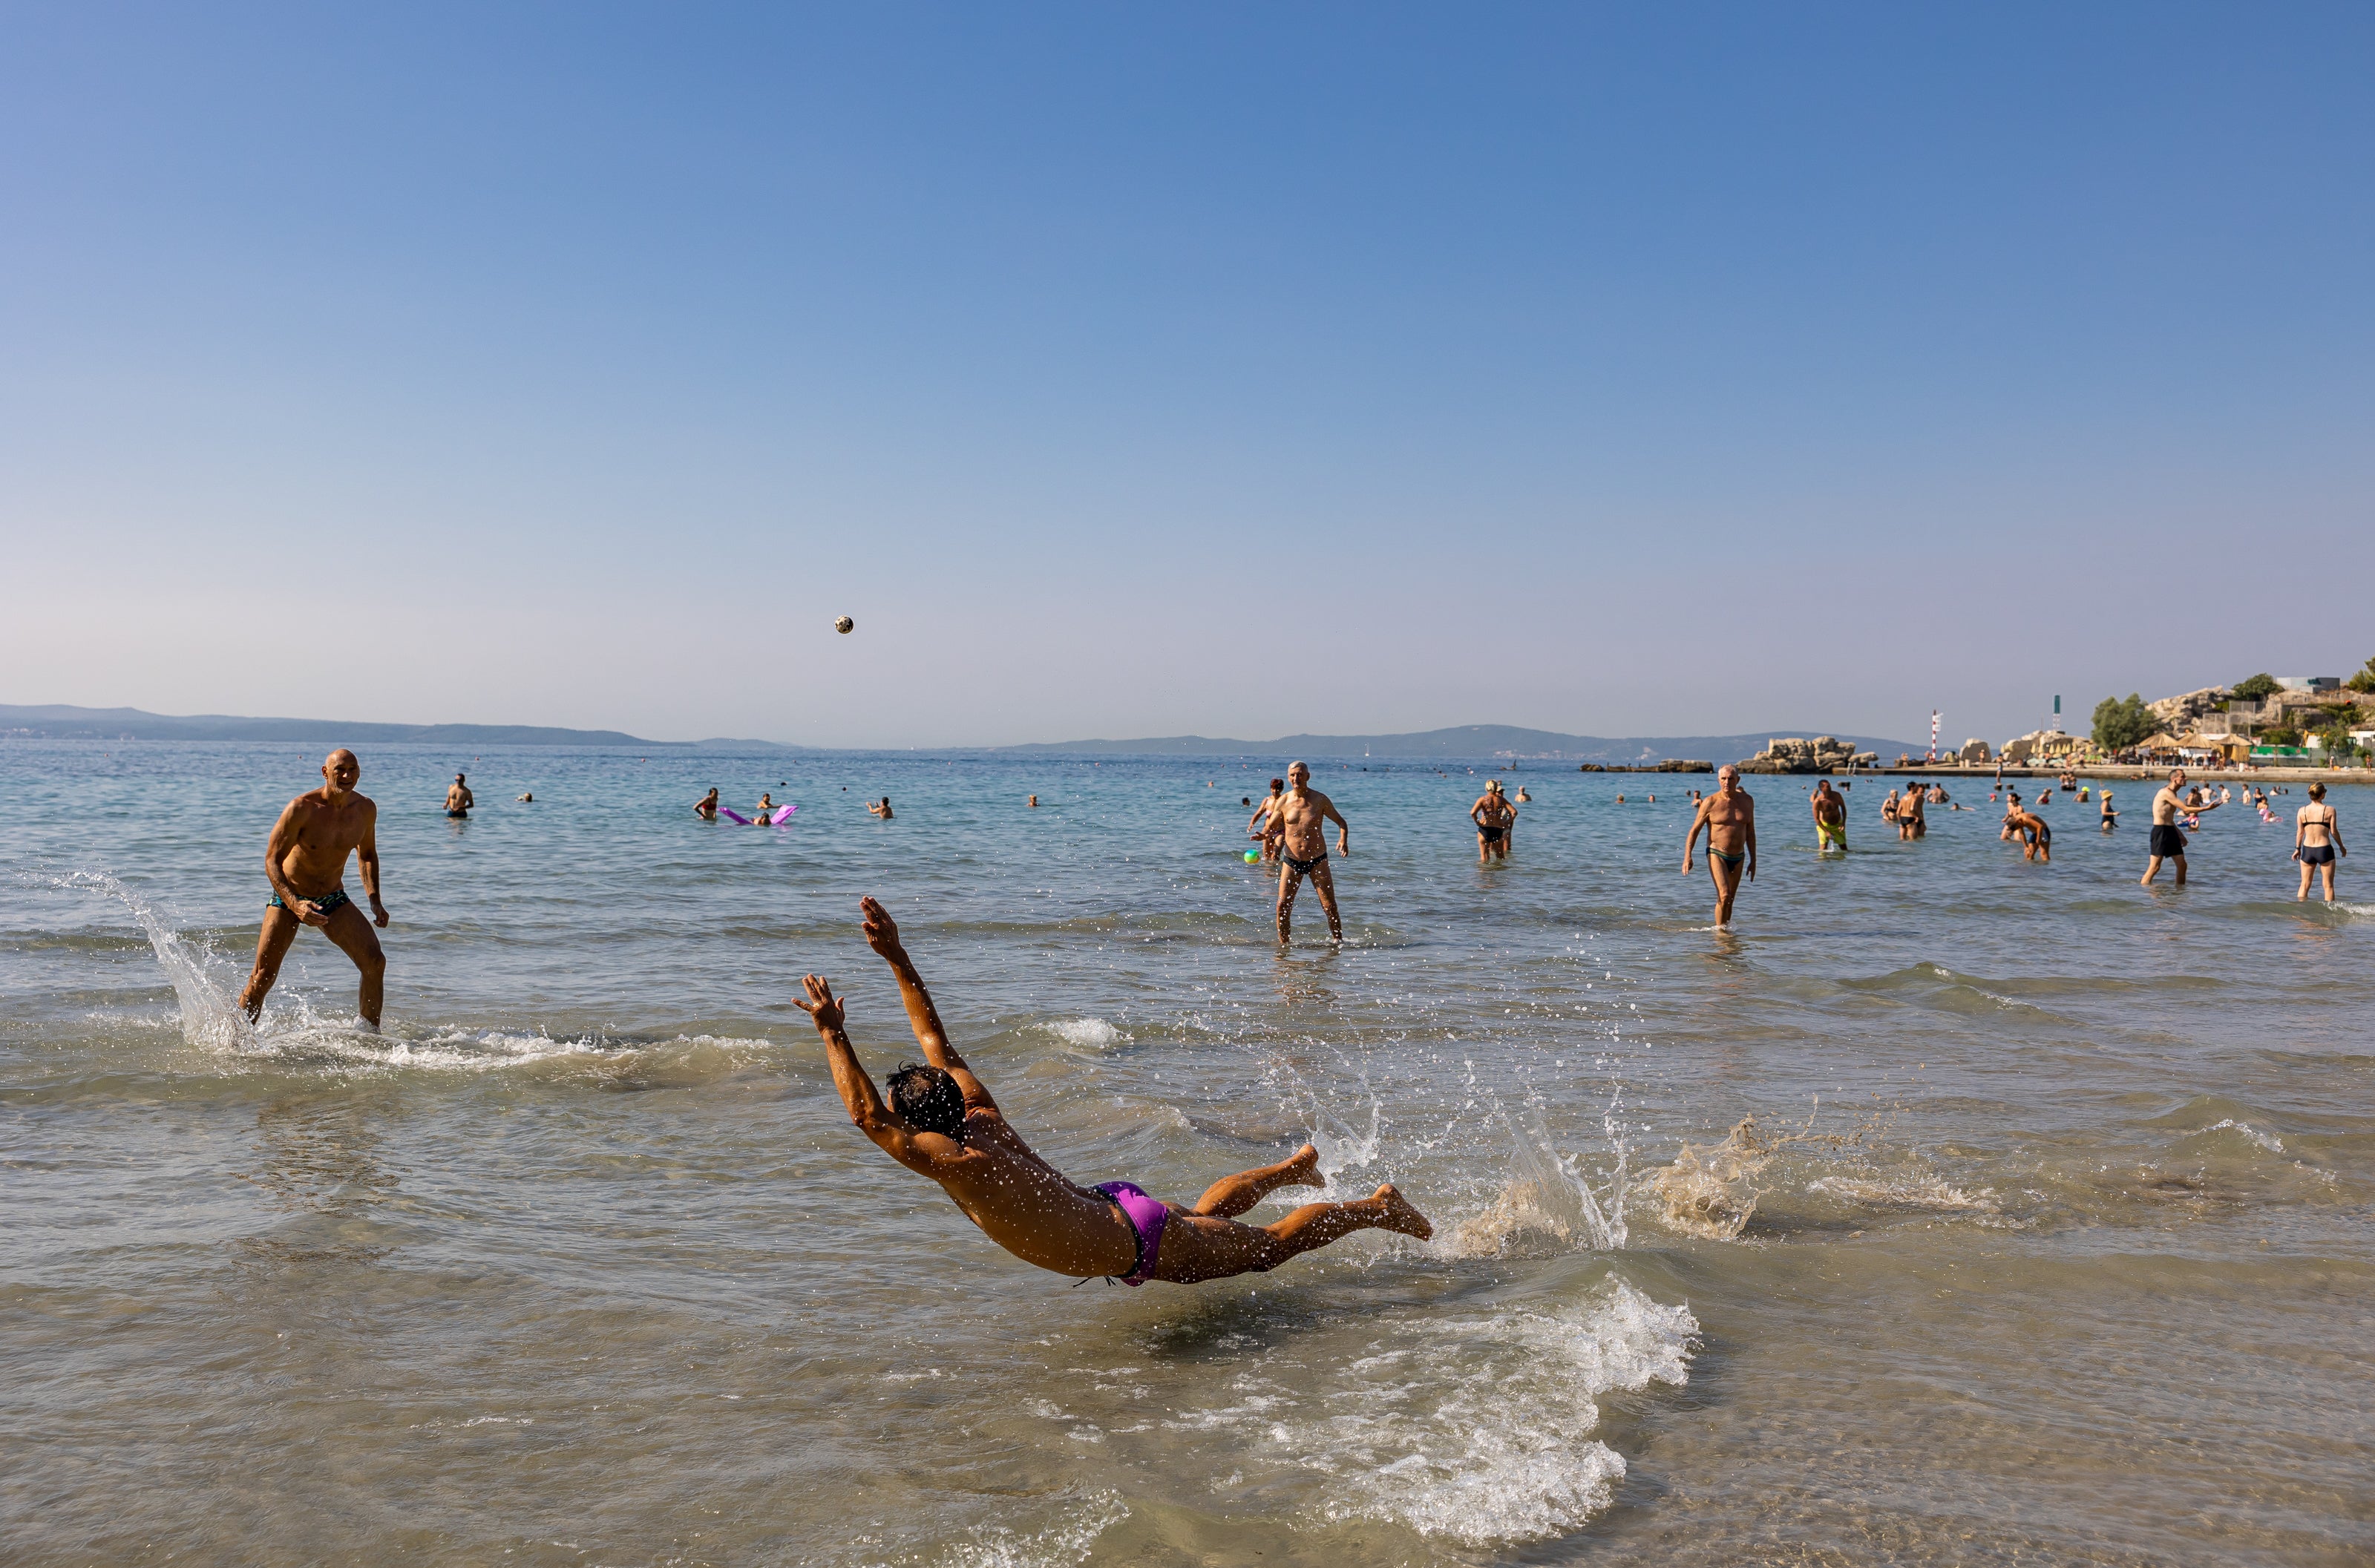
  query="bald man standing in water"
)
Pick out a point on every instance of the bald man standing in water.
point(1298, 826)
point(941, 1122)
point(306, 863)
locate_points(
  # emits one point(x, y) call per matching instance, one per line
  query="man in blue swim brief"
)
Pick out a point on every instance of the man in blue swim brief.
point(940, 1122)
point(306, 863)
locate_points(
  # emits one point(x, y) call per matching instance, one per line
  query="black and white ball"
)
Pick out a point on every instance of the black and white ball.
point(844, 625)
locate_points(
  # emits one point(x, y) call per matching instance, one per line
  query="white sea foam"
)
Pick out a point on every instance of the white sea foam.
point(2265, 1140)
point(1087, 1033)
point(1467, 1427)
point(1906, 1192)
point(1063, 1544)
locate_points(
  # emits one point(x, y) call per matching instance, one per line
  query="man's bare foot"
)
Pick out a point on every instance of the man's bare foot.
point(1303, 1171)
point(1400, 1215)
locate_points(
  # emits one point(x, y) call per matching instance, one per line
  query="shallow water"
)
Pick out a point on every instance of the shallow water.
point(2048, 1241)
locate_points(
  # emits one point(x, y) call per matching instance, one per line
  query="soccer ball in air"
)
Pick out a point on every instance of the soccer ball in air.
point(844, 625)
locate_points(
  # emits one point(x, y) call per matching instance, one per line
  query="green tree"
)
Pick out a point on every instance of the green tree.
point(2364, 680)
point(2281, 735)
point(2257, 689)
point(2119, 724)
point(2336, 739)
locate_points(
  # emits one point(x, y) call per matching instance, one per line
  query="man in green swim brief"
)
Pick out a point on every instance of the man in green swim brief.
point(306, 863)
point(1729, 815)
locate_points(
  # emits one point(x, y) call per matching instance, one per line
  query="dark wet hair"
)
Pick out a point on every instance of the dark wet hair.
point(1277, 784)
point(927, 1099)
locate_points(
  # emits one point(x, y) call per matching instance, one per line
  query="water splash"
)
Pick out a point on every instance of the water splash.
point(1547, 1203)
point(1710, 1190)
point(210, 1017)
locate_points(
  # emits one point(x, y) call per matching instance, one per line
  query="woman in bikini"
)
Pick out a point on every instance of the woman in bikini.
point(2317, 840)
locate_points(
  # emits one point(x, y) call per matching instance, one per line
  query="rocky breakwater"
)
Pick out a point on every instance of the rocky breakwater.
point(1823, 754)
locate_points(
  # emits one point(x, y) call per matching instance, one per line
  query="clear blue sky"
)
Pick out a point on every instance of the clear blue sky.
point(1129, 370)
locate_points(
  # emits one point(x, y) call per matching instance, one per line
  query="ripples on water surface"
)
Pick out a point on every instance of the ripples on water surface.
point(2047, 1238)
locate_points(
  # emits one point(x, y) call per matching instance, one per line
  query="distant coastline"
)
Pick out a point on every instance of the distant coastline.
point(62, 722)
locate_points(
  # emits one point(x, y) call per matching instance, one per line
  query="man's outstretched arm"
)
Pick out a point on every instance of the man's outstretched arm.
point(889, 1131)
point(882, 936)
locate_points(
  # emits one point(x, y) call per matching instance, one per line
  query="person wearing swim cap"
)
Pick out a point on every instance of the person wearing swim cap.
point(1729, 818)
point(306, 861)
point(1298, 828)
point(940, 1121)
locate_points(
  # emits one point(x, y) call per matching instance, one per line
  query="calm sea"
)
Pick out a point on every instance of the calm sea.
point(2049, 1239)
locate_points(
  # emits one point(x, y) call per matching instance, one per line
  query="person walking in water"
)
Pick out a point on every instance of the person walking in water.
point(1258, 826)
point(1729, 815)
point(1830, 817)
point(458, 799)
point(1912, 816)
point(707, 806)
point(2317, 839)
point(1493, 817)
point(941, 1122)
point(2167, 838)
point(306, 861)
point(1299, 830)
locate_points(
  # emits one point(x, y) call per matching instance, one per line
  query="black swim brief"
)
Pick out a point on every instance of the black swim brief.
point(1303, 867)
point(1491, 835)
point(2168, 841)
point(328, 903)
point(2317, 854)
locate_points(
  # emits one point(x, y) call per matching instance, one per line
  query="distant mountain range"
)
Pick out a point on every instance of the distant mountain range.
point(57, 722)
point(1471, 741)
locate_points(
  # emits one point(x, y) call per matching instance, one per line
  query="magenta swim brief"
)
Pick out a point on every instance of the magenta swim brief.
point(1146, 1217)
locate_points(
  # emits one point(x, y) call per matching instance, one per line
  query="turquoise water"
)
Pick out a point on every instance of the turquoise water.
point(2050, 1241)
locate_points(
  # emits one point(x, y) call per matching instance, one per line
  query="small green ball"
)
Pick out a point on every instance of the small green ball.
point(1253, 858)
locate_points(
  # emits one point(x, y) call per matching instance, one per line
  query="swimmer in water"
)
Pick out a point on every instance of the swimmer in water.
point(2037, 839)
point(306, 863)
point(2167, 838)
point(2110, 817)
point(1258, 827)
point(764, 814)
point(1729, 818)
point(1299, 831)
point(880, 809)
point(1521, 796)
point(528, 799)
point(941, 1122)
point(458, 799)
point(1830, 818)
point(1035, 800)
point(2317, 839)
point(1493, 817)
point(1912, 820)
point(707, 806)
